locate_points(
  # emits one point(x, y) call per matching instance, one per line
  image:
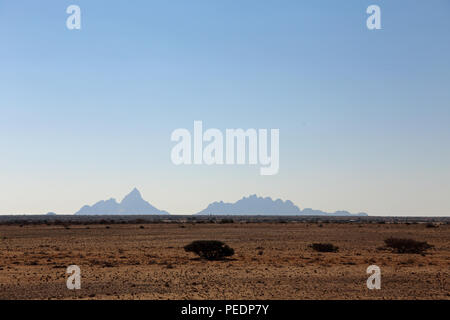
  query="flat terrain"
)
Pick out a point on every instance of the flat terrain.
point(273, 261)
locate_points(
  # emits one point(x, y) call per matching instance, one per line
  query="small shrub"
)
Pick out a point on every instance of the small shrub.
point(226, 221)
point(407, 245)
point(210, 249)
point(324, 247)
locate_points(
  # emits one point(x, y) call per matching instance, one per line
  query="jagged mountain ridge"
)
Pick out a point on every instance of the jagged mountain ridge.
point(254, 205)
point(133, 203)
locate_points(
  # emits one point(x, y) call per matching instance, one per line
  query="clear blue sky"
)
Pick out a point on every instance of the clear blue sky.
point(364, 116)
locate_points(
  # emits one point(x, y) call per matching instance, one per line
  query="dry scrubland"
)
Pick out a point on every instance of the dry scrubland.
point(271, 261)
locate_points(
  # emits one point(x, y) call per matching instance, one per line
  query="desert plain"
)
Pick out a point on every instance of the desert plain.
point(272, 260)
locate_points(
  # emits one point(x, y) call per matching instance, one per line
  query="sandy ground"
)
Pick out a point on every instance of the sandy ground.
point(272, 261)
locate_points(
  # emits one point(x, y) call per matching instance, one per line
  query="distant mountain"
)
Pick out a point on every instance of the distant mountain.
point(254, 205)
point(131, 204)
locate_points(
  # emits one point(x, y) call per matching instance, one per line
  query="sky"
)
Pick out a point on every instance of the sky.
point(364, 115)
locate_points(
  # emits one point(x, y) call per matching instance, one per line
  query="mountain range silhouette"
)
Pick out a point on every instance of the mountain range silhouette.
point(134, 204)
point(131, 204)
point(254, 205)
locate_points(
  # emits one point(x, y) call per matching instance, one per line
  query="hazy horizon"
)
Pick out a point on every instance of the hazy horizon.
point(363, 115)
point(193, 213)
